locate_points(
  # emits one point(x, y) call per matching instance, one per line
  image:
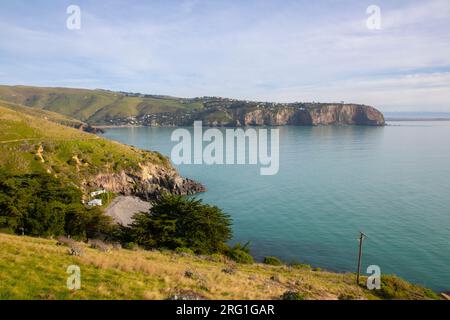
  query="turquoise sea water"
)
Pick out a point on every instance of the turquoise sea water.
point(392, 183)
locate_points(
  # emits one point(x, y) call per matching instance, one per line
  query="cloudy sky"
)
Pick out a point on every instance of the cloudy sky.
point(284, 51)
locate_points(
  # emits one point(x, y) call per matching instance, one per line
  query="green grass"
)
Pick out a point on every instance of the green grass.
point(93, 106)
point(35, 268)
point(27, 138)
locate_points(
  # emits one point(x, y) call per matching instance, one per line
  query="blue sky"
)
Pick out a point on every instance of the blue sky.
point(280, 51)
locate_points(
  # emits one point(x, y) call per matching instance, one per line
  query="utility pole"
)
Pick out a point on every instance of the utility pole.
point(361, 238)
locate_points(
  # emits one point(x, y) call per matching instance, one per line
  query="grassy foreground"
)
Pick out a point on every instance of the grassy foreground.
point(35, 268)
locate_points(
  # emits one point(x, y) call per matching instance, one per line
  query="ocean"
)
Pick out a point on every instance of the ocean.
point(392, 183)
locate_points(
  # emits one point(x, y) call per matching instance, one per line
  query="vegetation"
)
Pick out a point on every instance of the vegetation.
point(93, 106)
point(31, 144)
point(240, 253)
point(273, 261)
point(292, 295)
point(35, 268)
point(39, 205)
point(393, 287)
point(179, 222)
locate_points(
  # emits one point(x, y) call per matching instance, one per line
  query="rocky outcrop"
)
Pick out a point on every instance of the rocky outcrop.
point(148, 182)
point(338, 114)
point(253, 114)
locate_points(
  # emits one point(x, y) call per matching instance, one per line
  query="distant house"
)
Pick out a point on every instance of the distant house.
point(97, 193)
point(95, 203)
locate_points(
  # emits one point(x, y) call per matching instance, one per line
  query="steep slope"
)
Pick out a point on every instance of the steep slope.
point(30, 144)
point(35, 268)
point(44, 114)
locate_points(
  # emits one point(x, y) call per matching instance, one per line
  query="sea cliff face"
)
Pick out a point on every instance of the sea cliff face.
point(339, 114)
point(148, 182)
point(239, 114)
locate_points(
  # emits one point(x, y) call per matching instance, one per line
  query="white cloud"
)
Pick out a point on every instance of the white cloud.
point(246, 50)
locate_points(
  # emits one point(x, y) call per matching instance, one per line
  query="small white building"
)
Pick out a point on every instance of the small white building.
point(97, 193)
point(95, 203)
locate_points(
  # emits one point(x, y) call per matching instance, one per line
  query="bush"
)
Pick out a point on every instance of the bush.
point(180, 222)
point(393, 287)
point(292, 295)
point(348, 296)
point(240, 254)
point(273, 261)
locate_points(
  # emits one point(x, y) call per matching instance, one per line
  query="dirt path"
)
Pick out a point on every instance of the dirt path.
point(41, 139)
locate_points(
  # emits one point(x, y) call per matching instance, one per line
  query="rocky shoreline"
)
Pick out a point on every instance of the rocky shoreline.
point(147, 183)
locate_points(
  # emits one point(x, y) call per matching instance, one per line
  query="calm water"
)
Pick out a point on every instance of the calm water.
point(392, 183)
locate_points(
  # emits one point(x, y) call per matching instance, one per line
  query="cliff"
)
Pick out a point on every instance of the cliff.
point(333, 114)
point(148, 182)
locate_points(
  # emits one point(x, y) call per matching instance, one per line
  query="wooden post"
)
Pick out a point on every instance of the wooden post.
point(361, 238)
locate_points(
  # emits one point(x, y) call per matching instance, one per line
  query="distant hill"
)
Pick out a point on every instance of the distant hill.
point(101, 107)
point(94, 106)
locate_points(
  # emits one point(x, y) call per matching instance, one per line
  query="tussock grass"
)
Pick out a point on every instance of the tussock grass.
point(34, 268)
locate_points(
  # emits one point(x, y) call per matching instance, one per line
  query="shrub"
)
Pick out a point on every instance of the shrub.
point(176, 221)
point(240, 254)
point(292, 295)
point(393, 287)
point(273, 261)
point(348, 296)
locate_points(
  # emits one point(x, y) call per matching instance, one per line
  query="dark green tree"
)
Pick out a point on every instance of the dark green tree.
point(176, 221)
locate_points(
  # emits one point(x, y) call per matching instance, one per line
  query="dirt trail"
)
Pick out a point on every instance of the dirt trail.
point(40, 139)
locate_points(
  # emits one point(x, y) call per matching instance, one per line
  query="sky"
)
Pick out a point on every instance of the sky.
point(281, 51)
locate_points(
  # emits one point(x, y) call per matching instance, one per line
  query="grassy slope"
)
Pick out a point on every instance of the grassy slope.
point(33, 268)
point(23, 133)
point(90, 105)
point(43, 114)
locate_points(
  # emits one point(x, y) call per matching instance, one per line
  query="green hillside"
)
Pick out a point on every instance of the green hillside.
point(43, 114)
point(92, 106)
point(31, 143)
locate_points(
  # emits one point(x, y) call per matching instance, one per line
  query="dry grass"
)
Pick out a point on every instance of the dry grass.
point(33, 268)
